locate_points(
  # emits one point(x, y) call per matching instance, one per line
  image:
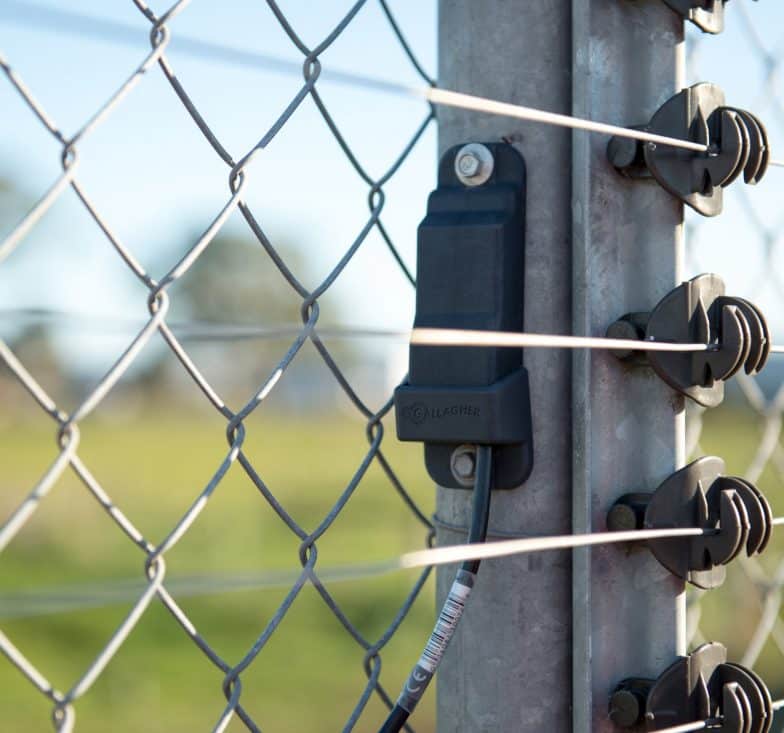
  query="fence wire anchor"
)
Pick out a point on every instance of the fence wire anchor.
point(698, 312)
point(735, 142)
point(700, 687)
point(699, 496)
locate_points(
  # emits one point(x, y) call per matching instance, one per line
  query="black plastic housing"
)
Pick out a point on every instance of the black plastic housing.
point(470, 275)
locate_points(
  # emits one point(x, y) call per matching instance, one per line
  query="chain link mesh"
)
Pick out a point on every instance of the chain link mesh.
point(66, 425)
point(761, 637)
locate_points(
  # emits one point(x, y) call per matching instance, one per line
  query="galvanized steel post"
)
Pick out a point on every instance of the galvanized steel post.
point(547, 636)
point(509, 666)
point(628, 426)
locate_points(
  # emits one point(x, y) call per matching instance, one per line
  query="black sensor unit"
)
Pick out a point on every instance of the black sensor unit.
point(470, 275)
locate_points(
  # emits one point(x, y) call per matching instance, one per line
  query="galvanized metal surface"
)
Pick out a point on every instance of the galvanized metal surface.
point(508, 668)
point(628, 426)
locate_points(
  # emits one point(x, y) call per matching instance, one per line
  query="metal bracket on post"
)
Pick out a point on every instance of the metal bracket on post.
point(736, 142)
point(734, 511)
point(698, 312)
point(701, 687)
point(470, 274)
point(707, 15)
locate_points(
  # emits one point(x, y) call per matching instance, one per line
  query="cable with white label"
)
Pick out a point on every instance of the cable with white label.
point(454, 605)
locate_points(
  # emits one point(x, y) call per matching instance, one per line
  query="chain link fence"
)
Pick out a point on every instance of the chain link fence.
point(240, 165)
point(754, 591)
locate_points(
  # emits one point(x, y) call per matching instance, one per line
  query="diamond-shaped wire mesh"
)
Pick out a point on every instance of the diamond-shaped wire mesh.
point(239, 165)
point(752, 446)
point(746, 431)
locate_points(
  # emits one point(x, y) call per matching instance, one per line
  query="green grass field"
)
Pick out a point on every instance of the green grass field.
point(310, 674)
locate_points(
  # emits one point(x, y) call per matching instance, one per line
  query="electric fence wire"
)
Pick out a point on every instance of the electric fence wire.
point(214, 331)
point(710, 723)
point(17, 319)
point(690, 727)
point(45, 17)
point(71, 598)
point(460, 337)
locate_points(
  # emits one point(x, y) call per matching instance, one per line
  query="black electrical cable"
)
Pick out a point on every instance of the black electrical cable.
point(453, 607)
point(480, 511)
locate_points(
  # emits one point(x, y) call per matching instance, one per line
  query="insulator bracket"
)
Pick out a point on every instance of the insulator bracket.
point(700, 687)
point(735, 514)
point(736, 143)
point(699, 312)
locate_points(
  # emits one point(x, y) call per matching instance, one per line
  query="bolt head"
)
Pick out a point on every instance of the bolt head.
point(623, 329)
point(625, 709)
point(621, 518)
point(622, 152)
point(473, 164)
point(464, 465)
point(469, 165)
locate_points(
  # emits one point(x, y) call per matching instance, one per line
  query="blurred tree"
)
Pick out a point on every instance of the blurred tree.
point(32, 345)
point(30, 341)
point(234, 281)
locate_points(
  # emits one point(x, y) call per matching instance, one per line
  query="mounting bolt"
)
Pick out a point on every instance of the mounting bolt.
point(628, 702)
point(628, 512)
point(626, 708)
point(621, 518)
point(630, 327)
point(463, 465)
point(474, 164)
point(468, 164)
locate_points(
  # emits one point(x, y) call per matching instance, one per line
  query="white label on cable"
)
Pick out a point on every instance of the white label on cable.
point(445, 626)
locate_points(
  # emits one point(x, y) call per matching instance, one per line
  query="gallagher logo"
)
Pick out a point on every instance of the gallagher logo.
point(419, 412)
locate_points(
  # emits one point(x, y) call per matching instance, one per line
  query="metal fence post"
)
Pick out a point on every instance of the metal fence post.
point(628, 426)
point(509, 666)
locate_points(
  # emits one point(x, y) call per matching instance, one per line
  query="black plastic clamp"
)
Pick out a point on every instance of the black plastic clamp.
point(701, 687)
point(471, 275)
point(698, 312)
point(735, 513)
point(706, 14)
point(736, 140)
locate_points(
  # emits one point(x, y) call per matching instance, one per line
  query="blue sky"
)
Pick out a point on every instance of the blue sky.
point(158, 182)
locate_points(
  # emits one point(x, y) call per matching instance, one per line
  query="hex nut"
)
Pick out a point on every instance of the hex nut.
point(474, 164)
point(463, 465)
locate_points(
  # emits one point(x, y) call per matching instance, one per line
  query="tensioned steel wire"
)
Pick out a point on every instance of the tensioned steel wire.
point(211, 331)
point(70, 598)
point(67, 21)
point(708, 724)
point(66, 425)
